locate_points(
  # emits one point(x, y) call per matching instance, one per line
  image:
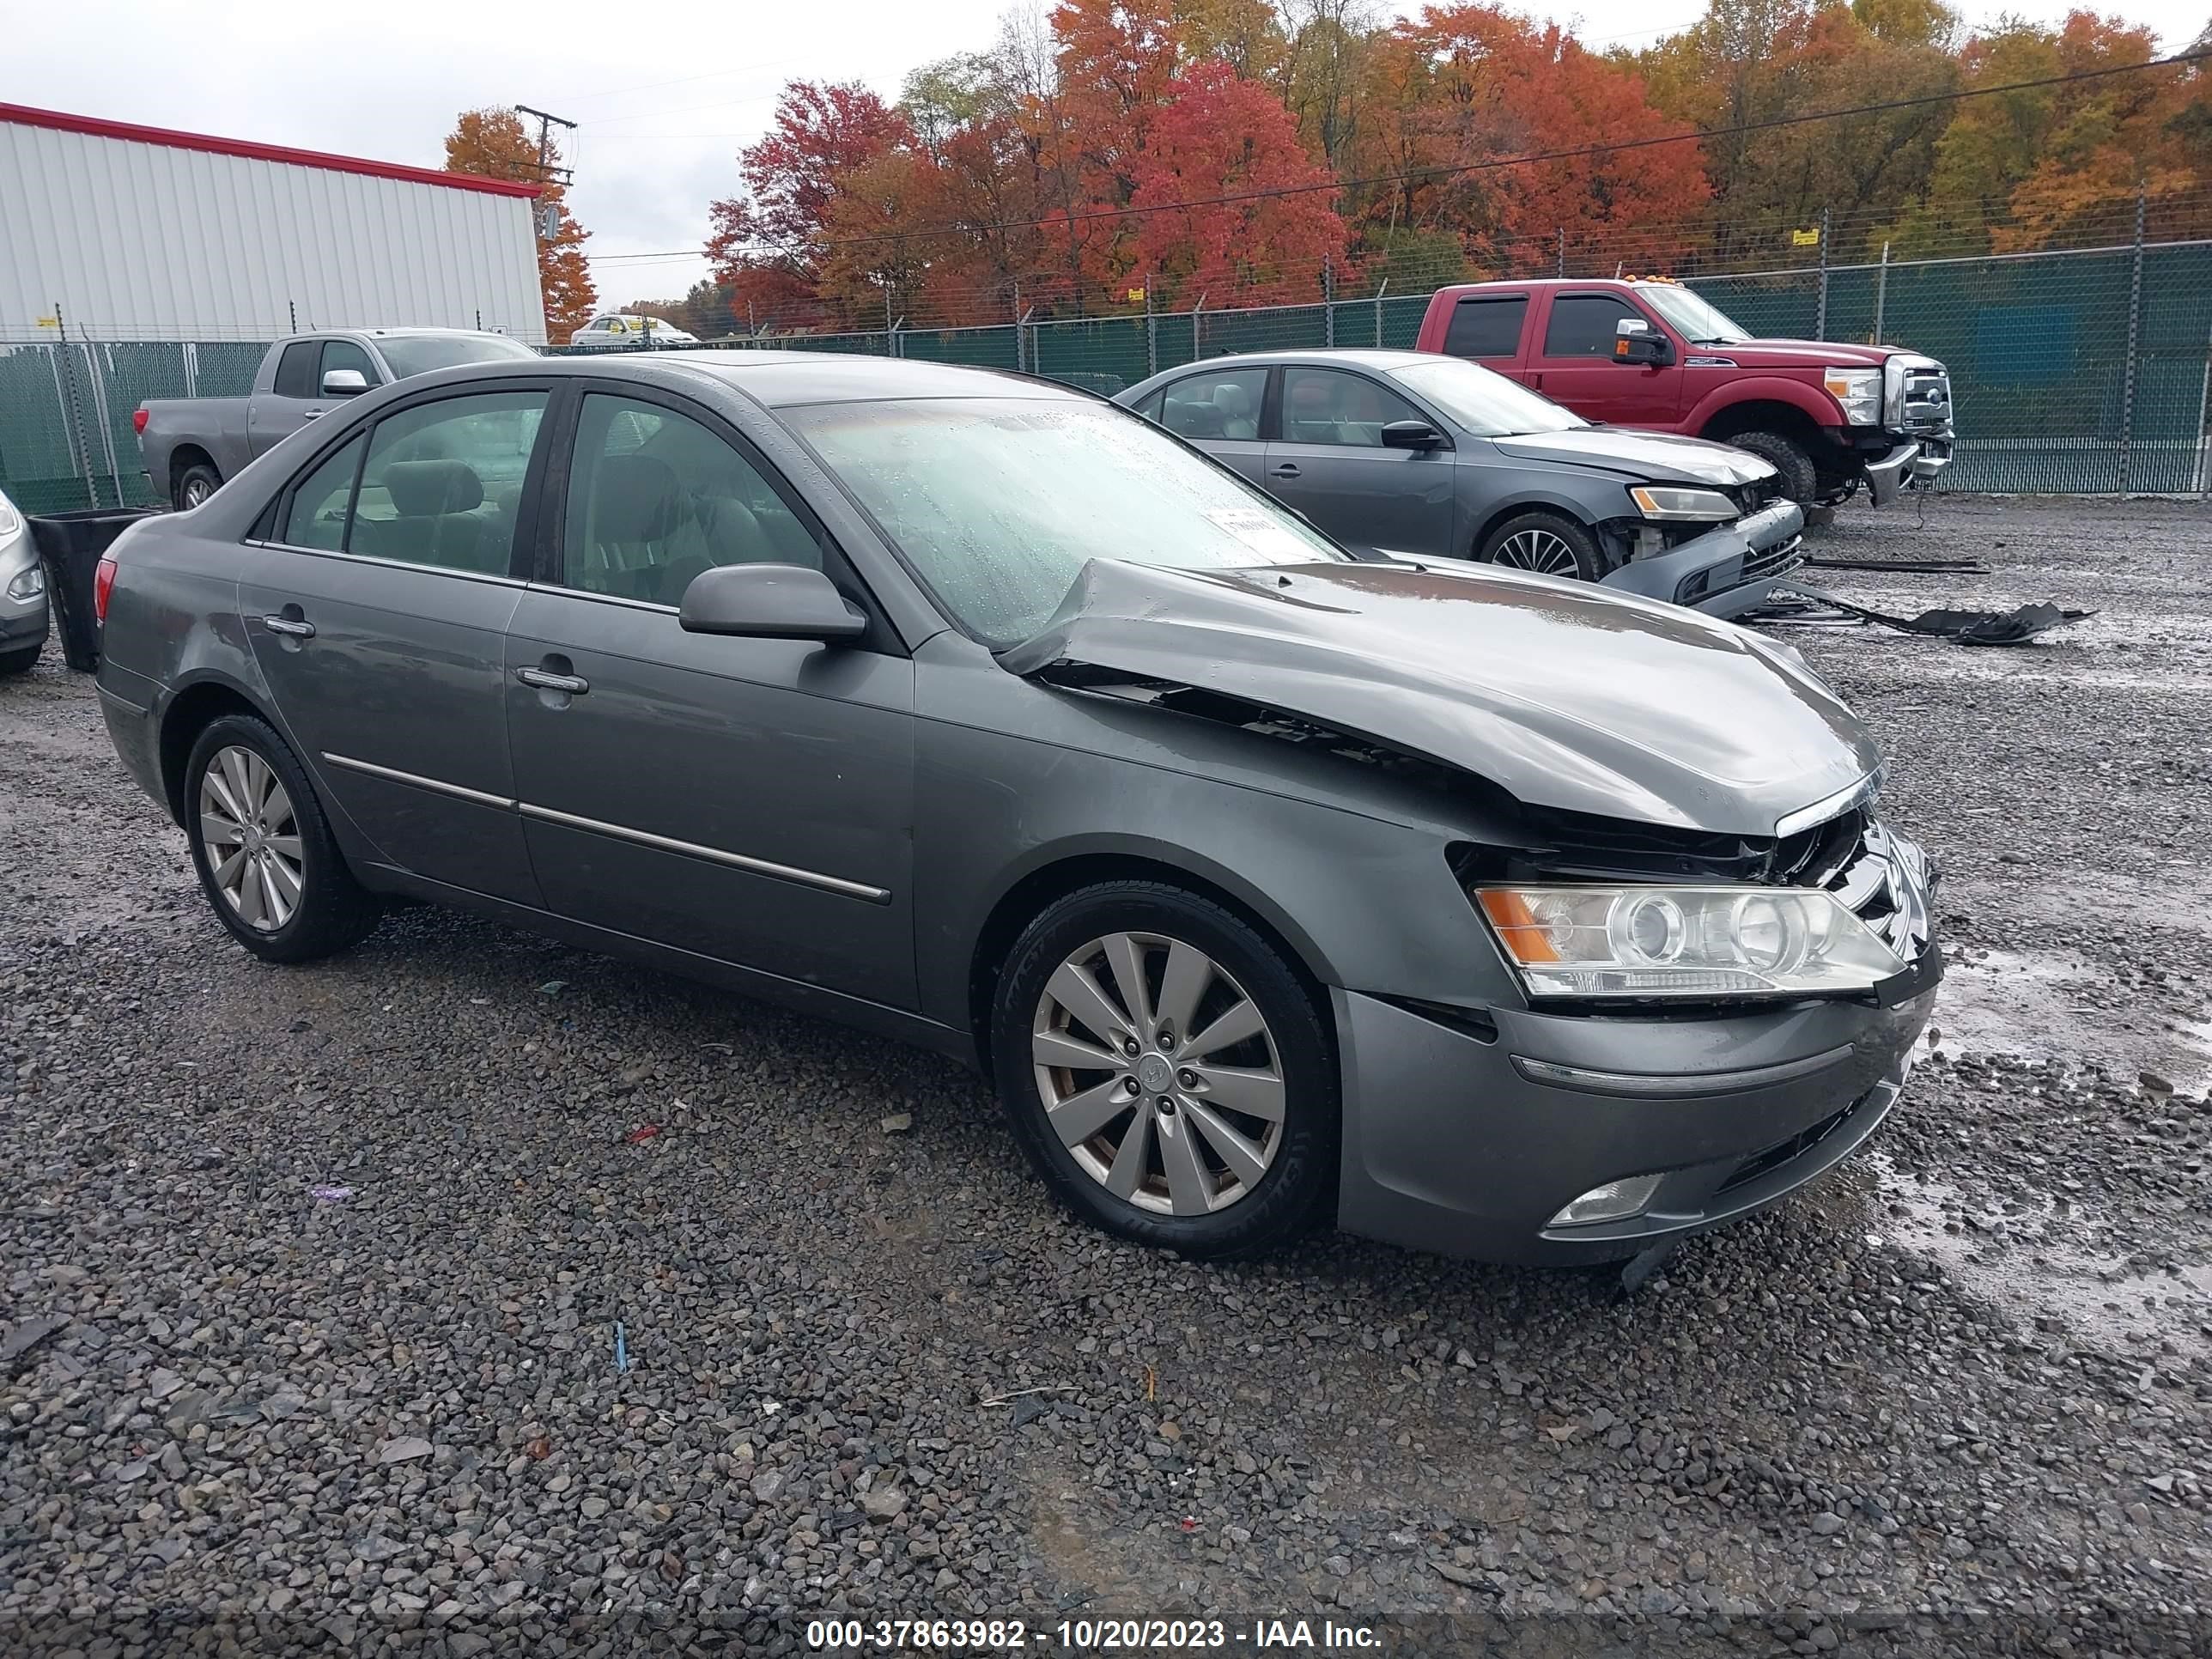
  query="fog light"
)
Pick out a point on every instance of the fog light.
point(28, 584)
point(1615, 1201)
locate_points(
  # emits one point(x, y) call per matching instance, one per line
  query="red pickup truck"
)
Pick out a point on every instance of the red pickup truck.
point(1647, 353)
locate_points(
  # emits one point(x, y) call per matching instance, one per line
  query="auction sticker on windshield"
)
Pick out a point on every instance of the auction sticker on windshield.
point(1261, 532)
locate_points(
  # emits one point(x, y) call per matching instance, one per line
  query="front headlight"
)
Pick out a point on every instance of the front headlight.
point(1858, 391)
point(1666, 501)
point(1645, 941)
point(27, 584)
point(11, 520)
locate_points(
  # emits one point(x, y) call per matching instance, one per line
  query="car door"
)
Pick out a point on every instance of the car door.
point(1327, 458)
point(747, 799)
point(377, 613)
point(292, 400)
point(1575, 365)
point(1219, 410)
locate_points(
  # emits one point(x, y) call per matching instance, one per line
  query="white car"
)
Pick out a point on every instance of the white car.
point(22, 593)
point(617, 330)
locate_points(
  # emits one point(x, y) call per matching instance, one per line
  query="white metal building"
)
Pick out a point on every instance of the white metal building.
point(141, 233)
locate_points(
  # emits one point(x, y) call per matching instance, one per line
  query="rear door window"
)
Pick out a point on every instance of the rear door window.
point(1224, 403)
point(320, 502)
point(1486, 326)
point(297, 375)
point(442, 483)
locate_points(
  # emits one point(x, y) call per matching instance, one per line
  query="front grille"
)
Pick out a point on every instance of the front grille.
point(1782, 1151)
point(1928, 399)
point(1782, 556)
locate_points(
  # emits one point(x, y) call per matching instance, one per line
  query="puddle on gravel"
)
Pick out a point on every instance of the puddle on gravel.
point(2040, 1258)
point(2029, 1006)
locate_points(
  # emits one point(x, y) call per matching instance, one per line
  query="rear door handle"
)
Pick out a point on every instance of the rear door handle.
point(309, 415)
point(575, 684)
point(1285, 470)
point(298, 627)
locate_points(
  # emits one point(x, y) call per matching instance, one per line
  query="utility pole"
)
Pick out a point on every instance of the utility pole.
point(547, 174)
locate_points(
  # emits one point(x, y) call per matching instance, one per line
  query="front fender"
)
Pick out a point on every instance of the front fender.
point(1817, 406)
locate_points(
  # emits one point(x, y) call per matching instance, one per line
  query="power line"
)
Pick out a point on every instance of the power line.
point(1420, 175)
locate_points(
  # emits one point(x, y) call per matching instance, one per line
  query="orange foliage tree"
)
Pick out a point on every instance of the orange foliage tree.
point(493, 144)
point(1216, 135)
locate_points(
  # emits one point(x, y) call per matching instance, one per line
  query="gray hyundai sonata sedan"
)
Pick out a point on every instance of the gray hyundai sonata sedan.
point(1477, 910)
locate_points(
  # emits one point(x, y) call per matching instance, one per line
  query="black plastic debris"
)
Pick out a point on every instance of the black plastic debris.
point(2016, 626)
point(1903, 567)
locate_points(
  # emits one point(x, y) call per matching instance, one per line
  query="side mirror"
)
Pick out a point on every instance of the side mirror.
point(1636, 342)
point(769, 602)
point(1411, 434)
point(343, 383)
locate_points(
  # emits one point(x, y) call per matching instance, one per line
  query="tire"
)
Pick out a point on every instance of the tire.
point(194, 485)
point(330, 910)
point(1550, 543)
point(1800, 480)
point(1278, 1175)
point(20, 660)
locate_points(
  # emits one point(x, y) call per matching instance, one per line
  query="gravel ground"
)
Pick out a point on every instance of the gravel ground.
point(315, 1277)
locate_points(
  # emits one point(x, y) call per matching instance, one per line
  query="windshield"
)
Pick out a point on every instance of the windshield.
point(998, 503)
point(1487, 404)
point(1693, 319)
point(418, 353)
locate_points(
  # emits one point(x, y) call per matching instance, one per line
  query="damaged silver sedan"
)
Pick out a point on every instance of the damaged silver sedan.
point(1476, 910)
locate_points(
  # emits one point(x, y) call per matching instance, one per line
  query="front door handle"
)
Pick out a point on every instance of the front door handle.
point(309, 415)
point(297, 627)
point(1285, 470)
point(545, 680)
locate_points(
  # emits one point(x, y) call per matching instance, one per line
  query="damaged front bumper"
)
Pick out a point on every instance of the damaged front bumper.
point(1725, 572)
point(1469, 1139)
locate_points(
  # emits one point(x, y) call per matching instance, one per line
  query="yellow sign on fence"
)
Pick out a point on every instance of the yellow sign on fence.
point(1805, 238)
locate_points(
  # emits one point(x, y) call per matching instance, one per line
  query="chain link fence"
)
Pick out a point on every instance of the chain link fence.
point(2081, 372)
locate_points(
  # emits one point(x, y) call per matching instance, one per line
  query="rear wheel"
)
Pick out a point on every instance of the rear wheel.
point(195, 485)
point(1548, 544)
point(1167, 1071)
point(262, 849)
point(1801, 480)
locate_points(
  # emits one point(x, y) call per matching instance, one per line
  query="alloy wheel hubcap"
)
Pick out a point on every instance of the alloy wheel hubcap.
point(251, 838)
point(1158, 1074)
point(196, 492)
point(1538, 551)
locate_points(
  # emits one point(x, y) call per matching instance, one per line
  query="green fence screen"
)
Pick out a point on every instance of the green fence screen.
point(2073, 372)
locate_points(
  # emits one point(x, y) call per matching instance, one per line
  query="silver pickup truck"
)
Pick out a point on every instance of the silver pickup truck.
point(191, 444)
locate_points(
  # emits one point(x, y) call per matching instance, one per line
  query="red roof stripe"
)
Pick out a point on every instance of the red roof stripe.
point(20, 115)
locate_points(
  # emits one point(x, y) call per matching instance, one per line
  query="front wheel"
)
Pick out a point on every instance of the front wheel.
point(20, 660)
point(1548, 544)
point(1801, 480)
point(262, 849)
point(1167, 1071)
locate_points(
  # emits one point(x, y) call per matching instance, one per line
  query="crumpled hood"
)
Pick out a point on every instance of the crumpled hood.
point(1563, 695)
point(1650, 457)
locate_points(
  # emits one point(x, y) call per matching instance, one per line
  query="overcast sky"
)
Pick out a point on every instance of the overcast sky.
point(664, 102)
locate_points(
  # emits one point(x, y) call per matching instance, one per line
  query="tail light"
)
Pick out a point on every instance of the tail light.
point(103, 583)
point(138, 421)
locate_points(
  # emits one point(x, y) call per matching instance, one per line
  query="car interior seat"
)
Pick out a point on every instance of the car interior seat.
point(436, 518)
point(1238, 418)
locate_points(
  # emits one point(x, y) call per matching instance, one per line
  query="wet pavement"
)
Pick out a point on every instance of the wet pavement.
point(1964, 1378)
